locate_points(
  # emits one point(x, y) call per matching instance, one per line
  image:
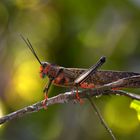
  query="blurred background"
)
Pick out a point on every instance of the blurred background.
point(70, 33)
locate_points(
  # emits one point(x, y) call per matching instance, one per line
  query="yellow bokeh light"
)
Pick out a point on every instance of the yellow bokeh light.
point(1, 111)
point(27, 3)
point(26, 80)
point(25, 86)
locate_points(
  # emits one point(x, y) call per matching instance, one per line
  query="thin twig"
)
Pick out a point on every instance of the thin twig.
point(95, 108)
point(125, 93)
point(128, 82)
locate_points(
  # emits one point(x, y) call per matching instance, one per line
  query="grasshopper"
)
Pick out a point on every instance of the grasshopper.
point(78, 77)
point(83, 78)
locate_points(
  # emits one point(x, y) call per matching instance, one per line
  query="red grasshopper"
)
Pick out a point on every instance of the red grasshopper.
point(77, 77)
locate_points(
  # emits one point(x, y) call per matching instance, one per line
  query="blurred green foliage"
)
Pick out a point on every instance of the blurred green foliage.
point(71, 33)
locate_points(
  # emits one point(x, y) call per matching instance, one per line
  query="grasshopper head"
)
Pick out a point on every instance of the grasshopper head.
point(44, 69)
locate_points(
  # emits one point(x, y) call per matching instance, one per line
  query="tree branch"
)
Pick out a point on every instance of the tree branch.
point(66, 98)
point(61, 98)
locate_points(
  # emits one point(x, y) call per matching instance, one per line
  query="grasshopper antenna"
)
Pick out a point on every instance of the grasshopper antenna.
point(28, 43)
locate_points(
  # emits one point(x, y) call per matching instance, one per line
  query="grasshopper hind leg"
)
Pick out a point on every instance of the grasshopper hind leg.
point(80, 80)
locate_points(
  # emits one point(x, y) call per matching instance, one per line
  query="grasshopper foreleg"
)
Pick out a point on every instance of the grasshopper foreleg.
point(46, 89)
